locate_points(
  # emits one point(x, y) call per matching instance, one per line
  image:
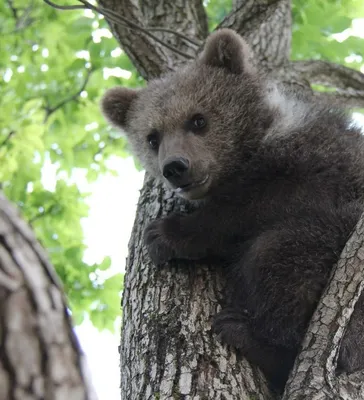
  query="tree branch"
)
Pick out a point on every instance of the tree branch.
point(238, 3)
point(179, 34)
point(8, 137)
point(329, 74)
point(51, 110)
point(41, 215)
point(60, 7)
point(120, 20)
point(348, 83)
point(21, 21)
point(149, 53)
point(345, 98)
point(13, 9)
point(314, 370)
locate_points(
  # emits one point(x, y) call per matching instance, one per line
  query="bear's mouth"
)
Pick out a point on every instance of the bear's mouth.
point(192, 185)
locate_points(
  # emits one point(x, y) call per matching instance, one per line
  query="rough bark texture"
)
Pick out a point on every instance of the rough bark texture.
point(266, 25)
point(313, 376)
point(40, 358)
point(167, 349)
point(150, 58)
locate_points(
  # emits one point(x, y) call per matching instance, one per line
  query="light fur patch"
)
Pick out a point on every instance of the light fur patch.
point(290, 112)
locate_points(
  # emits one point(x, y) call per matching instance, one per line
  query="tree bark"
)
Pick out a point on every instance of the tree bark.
point(40, 358)
point(167, 349)
point(313, 376)
point(149, 57)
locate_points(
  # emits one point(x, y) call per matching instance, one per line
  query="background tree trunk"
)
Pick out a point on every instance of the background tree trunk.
point(167, 349)
point(40, 358)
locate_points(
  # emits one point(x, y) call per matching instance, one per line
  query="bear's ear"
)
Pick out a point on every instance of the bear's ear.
point(116, 103)
point(226, 49)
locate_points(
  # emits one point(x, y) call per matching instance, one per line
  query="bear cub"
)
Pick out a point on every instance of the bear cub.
point(279, 181)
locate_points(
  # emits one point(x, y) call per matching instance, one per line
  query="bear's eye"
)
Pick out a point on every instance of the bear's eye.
point(153, 140)
point(198, 121)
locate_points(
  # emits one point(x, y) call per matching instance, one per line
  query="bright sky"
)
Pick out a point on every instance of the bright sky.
point(107, 232)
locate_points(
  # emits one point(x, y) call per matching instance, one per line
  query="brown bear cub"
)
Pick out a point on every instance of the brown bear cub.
point(279, 178)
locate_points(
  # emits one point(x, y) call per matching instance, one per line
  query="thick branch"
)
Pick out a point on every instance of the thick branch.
point(329, 74)
point(348, 84)
point(40, 357)
point(314, 371)
point(344, 98)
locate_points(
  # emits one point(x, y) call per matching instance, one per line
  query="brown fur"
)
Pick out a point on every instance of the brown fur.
point(282, 179)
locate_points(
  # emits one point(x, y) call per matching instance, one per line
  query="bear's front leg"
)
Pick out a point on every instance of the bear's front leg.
point(215, 229)
point(178, 237)
point(161, 241)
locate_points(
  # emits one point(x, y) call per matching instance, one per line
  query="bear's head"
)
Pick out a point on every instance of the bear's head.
point(190, 127)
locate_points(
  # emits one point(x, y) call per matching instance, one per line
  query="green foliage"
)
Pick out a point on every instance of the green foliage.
point(47, 58)
point(314, 28)
point(216, 11)
point(55, 66)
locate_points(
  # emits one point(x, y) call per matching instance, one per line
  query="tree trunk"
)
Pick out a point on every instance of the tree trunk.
point(40, 358)
point(314, 376)
point(167, 349)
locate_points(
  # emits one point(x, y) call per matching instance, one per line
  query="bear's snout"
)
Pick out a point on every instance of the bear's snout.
point(175, 170)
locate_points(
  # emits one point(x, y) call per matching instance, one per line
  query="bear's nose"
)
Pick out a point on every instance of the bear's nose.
point(175, 170)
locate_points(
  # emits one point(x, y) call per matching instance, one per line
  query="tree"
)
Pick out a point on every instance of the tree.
point(40, 357)
point(167, 348)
